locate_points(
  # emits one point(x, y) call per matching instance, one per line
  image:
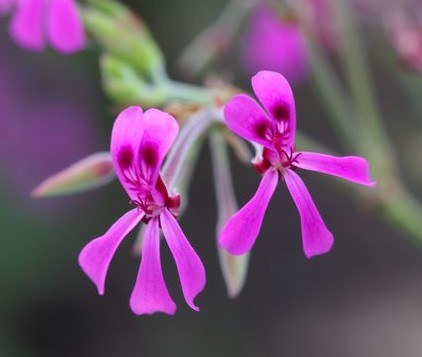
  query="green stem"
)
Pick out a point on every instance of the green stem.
point(332, 94)
point(187, 92)
point(373, 139)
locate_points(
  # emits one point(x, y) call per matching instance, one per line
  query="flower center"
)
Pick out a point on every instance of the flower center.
point(280, 160)
point(152, 202)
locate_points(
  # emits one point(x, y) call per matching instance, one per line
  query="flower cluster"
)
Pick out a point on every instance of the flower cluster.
point(141, 140)
point(139, 143)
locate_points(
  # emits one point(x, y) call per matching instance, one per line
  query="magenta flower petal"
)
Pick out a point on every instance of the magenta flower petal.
point(64, 27)
point(275, 94)
point(125, 139)
point(96, 256)
point(316, 238)
point(351, 168)
point(241, 230)
point(246, 118)
point(189, 266)
point(160, 131)
point(150, 293)
point(26, 27)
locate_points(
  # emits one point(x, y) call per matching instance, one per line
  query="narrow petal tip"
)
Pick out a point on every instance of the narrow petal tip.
point(140, 309)
point(324, 246)
point(88, 266)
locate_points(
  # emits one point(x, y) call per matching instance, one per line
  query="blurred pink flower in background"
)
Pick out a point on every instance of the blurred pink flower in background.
point(35, 23)
point(273, 43)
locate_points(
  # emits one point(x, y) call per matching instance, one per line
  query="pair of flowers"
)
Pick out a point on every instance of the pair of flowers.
point(35, 23)
point(139, 143)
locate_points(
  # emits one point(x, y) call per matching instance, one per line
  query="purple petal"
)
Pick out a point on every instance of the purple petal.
point(65, 27)
point(150, 293)
point(351, 168)
point(160, 131)
point(241, 230)
point(275, 44)
point(26, 27)
point(246, 118)
point(125, 138)
point(189, 265)
point(96, 256)
point(316, 238)
point(275, 94)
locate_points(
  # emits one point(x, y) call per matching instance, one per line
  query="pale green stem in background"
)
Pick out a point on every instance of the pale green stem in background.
point(373, 140)
point(396, 203)
point(183, 92)
point(234, 268)
point(207, 46)
point(331, 93)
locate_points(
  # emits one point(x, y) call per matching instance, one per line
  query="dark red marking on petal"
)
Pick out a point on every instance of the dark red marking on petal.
point(125, 157)
point(262, 130)
point(148, 154)
point(262, 166)
point(173, 202)
point(281, 112)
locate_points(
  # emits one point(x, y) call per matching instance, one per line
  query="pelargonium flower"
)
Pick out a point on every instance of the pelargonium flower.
point(139, 143)
point(276, 44)
point(38, 22)
point(274, 127)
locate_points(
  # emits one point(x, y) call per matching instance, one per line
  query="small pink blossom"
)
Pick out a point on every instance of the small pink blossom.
point(35, 23)
point(276, 44)
point(274, 127)
point(139, 143)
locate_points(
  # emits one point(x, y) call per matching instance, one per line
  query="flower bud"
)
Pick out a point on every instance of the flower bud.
point(91, 172)
point(124, 85)
point(123, 35)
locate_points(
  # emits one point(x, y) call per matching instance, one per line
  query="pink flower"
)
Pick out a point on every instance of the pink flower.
point(38, 22)
point(272, 43)
point(274, 128)
point(139, 143)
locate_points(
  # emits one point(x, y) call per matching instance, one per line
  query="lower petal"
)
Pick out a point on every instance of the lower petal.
point(316, 238)
point(150, 294)
point(96, 256)
point(65, 28)
point(26, 27)
point(351, 168)
point(189, 266)
point(241, 230)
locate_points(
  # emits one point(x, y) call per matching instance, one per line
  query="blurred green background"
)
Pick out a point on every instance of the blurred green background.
point(362, 299)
